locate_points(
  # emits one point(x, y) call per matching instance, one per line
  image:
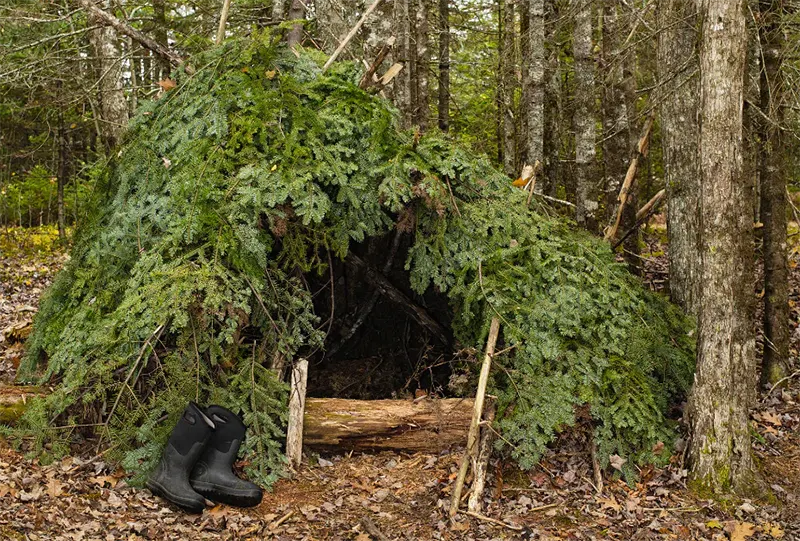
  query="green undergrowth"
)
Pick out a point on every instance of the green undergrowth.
point(188, 277)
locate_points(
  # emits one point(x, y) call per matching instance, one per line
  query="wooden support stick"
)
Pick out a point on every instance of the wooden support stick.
point(297, 406)
point(630, 176)
point(367, 79)
point(481, 465)
point(349, 36)
point(641, 216)
point(477, 412)
point(223, 19)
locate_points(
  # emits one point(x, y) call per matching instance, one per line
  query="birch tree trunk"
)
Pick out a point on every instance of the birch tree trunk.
point(719, 450)
point(773, 195)
point(534, 84)
point(585, 117)
point(677, 64)
point(444, 65)
point(113, 105)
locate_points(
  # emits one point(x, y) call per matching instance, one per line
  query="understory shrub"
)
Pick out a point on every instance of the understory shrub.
point(187, 279)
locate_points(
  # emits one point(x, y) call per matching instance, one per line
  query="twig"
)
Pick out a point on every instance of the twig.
point(350, 35)
point(280, 521)
point(477, 412)
point(373, 530)
point(494, 521)
point(779, 382)
point(481, 463)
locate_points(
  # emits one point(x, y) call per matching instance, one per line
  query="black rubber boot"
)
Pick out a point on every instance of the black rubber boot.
point(213, 475)
point(170, 480)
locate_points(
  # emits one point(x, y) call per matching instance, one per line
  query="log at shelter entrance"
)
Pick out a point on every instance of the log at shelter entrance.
point(265, 211)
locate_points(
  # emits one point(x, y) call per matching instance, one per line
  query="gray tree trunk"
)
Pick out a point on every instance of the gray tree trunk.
point(113, 105)
point(444, 65)
point(617, 78)
point(297, 11)
point(403, 54)
point(677, 64)
point(423, 62)
point(160, 34)
point(534, 84)
point(333, 22)
point(773, 195)
point(585, 118)
point(506, 88)
point(720, 455)
point(553, 114)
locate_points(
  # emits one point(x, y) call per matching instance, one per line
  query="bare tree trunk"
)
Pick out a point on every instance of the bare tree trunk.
point(616, 127)
point(677, 64)
point(506, 87)
point(552, 102)
point(61, 177)
point(297, 11)
point(403, 52)
point(332, 23)
point(113, 105)
point(223, 21)
point(719, 450)
point(160, 34)
point(423, 61)
point(773, 195)
point(278, 10)
point(444, 65)
point(584, 118)
point(534, 84)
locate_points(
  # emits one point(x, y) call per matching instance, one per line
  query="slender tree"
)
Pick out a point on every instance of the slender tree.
point(585, 117)
point(534, 83)
point(552, 100)
point(772, 165)
point(422, 62)
point(444, 65)
point(113, 105)
point(719, 449)
point(506, 86)
point(679, 81)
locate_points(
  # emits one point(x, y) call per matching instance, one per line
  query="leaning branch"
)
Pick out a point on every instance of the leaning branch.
point(350, 35)
point(131, 32)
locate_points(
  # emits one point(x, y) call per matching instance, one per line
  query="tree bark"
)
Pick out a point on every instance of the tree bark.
point(552, 101)
point(332, 23)
point(444, 65)
point(677, 64)
point(297, 11)
point(720, 455)
point(377, 425)
point(223, 21)
point(160, 34)
point(61, 177)
point(616, 114)
point(422, 62)
point(585, 118)
point(506, 87)
point(534, 84)
point(113, 105)
point(773, 195)
point(402, 83)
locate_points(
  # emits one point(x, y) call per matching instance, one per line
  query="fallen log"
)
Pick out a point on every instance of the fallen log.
point(335, 424)
point(427, 425)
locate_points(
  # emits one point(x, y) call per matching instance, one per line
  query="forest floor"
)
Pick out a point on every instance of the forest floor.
point(390, 495)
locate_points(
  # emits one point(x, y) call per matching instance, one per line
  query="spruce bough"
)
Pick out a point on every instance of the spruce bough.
point(186, 279)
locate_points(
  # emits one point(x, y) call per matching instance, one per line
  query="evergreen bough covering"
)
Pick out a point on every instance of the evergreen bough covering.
point(184, 283)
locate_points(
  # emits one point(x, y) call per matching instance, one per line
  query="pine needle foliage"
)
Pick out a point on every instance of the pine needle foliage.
point(187, 279)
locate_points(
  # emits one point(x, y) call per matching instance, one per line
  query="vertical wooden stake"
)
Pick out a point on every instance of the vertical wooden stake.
point(481, 465)
point(477, 413)
point(297, 408)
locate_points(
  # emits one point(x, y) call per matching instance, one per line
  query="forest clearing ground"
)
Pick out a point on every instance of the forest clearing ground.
point(405, 496)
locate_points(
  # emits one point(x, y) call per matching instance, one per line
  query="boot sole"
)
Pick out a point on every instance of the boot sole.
point(217, 493)
point(189, 505)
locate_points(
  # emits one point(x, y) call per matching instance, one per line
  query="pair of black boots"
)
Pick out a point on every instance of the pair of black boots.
point(197, 463)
